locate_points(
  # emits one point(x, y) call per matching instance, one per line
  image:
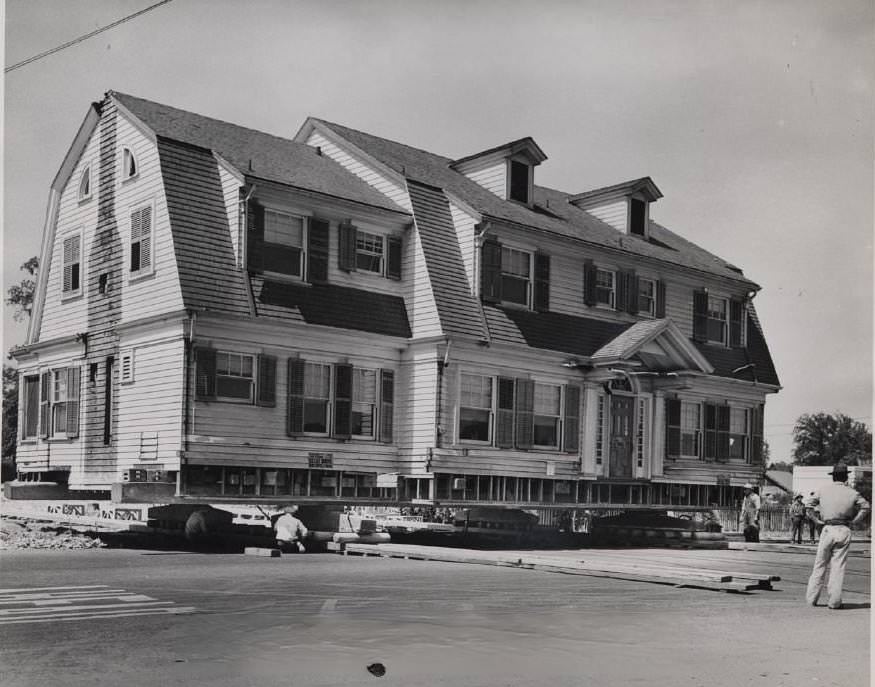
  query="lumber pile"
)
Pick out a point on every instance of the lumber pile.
point(640, 570)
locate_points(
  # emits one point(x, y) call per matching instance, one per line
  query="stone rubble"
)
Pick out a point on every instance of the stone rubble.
point(24, 533)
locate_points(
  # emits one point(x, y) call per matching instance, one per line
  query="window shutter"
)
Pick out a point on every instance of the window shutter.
point(346, 246)
point(317, 250)
point(266, 381)
point(146, 238)
point(73, 375)
point(709, 452)
point(525, 413)
point(205, 373)
point(295, 419)
point(504, 413)
point(756, 437)
point(490, 271)
point(542, 282)
point(700, 316)
point(342, 401)
point(72, 260)
point(387, 406)
point(571, 441)
point(660, 298)
point(632, 293)
point(722, 434)
point(393, 257)
point(736, 318)
point(255, 237)
point(45, 404)
point(672, 428)
point(589, 282)
point(622, 299)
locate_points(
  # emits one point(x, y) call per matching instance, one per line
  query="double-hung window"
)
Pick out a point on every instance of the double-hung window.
point(235, 377)
point(141, 240)
point(516, 276)
point(717, 317)
point(72, 267)
point(605, 288)
point(691, 429)
point(317, 397)
point(646, 297)
point(364, 402)
point(284, 238)
point(548, 412)
point(59, 403)
point(475, 408)
point(738, 430)
point(369, 252)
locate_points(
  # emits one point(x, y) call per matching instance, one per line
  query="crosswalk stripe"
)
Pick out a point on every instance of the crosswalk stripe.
point(45, 589)
point(73, 596)
point(11, 612)
point(173, 610)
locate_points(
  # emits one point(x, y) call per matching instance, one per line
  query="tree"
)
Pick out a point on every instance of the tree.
point(825, 439)
point(20, 295)
point(781, 466)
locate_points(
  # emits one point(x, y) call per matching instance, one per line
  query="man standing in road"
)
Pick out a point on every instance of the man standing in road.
point(290, 531)
point(841, 508)
point(750, 514)
point(797, 519)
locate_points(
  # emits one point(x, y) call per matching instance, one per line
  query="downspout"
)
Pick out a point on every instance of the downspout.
point(186, 396)
point(438, 429)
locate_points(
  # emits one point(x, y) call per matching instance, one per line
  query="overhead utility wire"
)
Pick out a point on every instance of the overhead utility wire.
point(85, 37)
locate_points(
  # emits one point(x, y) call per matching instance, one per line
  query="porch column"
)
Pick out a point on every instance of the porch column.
point(590, 428)
point(657, 436)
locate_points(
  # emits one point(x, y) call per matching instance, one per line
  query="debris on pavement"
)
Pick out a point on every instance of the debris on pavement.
point(26, 533)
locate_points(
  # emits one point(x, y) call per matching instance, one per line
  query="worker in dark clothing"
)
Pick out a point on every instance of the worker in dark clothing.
point(841, 508)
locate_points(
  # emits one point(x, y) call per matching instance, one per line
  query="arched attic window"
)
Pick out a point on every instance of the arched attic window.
point(129, 164)
point(85, 184)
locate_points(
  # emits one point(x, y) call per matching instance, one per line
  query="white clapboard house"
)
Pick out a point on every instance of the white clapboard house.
point(229, 315)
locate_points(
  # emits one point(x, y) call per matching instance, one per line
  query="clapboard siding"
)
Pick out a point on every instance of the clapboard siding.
point(160, 291)
point(679, 305)
point(513, 463)
point(417, 416)
point(490, 171)
point(613, 214)
point(361, 169)
point(150, 409)
point(61, 316)
point(464, 225)
point(350, 456)
point(231, 195)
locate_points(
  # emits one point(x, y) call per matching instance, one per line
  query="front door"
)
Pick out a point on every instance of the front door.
point(621, 435)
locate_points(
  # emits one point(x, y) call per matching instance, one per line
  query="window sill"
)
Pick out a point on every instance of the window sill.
point(29, 441)
point(289, 278)
point(73, 296)
point(85, 199)
point(515, 306)
point(134, 277)
point(58, 440)
point(131, 178)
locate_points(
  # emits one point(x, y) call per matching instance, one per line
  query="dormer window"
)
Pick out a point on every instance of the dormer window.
point(637, 217)
point(85, 184)
point(519, 182)
point(129, 164)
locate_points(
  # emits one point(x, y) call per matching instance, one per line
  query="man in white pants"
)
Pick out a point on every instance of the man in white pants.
point(841, 508)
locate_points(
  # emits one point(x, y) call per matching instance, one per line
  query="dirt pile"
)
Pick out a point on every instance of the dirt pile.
point(24, 533)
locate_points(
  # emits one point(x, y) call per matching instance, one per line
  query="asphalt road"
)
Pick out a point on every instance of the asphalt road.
point(143, 618)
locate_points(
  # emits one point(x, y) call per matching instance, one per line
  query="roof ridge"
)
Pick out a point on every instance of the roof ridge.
point(383, 138)
point(202, 116)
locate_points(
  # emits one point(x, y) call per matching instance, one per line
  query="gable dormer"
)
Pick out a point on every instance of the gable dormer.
point(508, 171)
point(626, 206)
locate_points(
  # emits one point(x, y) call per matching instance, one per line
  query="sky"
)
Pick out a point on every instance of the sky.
point(755, 119)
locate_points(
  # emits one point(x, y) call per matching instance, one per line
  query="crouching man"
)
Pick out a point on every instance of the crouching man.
point(290, 531)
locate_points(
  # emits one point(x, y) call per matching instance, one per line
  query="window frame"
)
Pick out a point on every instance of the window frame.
point(558, 418)
point(490, 410)
point(697, 431)
point(305, 235)
point(744, 435)
point(78, 291)
point(374, 404)
point(128, 156)
point(59, 376)
point(85, 177)
point(529, 181)
point(359, 233)
point(613, 291)
point(328, 400)
point(724, 341)
point(529, 279)
point(30, 387)
point(252, 377)
point(651, 312)
point(141, 272)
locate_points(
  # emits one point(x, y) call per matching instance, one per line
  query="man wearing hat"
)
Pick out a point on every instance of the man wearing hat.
point(290, 530)
point(841, 508)
point(750, 513)
point(797, 519)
